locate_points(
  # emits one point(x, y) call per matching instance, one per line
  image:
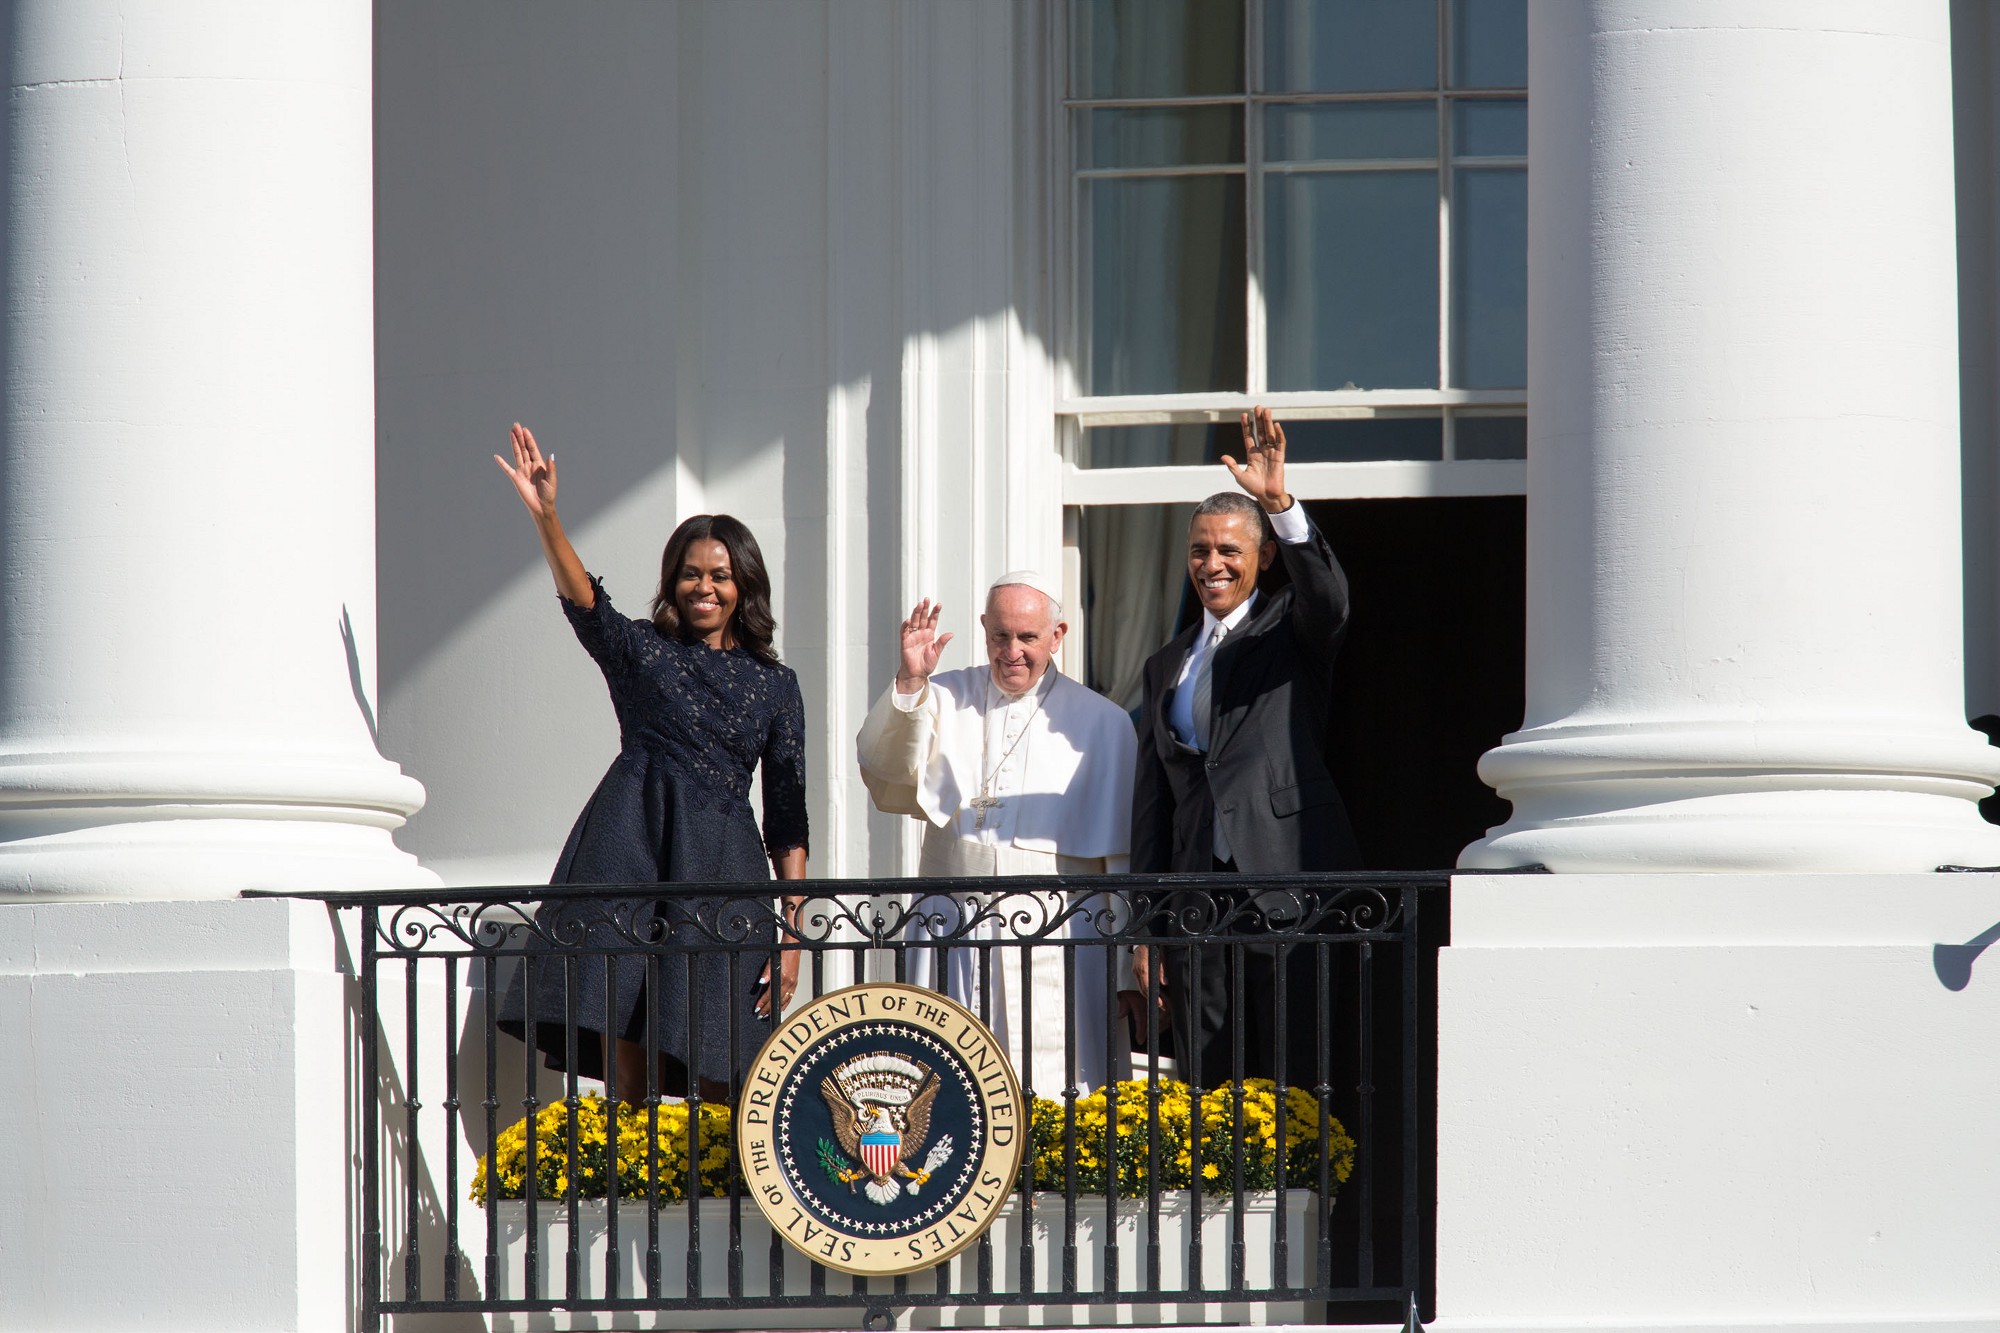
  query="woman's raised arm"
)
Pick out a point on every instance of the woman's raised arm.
point(534, 476)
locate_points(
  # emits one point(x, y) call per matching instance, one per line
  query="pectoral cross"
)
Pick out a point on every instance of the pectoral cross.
point(982, 803)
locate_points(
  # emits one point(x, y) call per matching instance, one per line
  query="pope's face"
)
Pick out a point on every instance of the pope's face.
point(1225, 551)
point(1022, 634)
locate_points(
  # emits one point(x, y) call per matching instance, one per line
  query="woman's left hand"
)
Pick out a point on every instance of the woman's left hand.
point(788, 981)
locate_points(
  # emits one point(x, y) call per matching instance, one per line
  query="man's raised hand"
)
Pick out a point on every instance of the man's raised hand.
point(532, 472)
point(1262, 473)
point(922, 645)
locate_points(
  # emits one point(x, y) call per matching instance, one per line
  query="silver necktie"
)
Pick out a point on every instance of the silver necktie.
point(1203, 675)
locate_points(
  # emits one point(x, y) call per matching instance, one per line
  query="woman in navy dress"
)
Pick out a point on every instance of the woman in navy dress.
point(702, 701)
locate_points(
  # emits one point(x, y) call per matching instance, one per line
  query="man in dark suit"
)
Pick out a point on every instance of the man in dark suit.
point(1232, 774)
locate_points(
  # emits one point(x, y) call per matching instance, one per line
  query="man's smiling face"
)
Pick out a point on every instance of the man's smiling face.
point(1225, 552)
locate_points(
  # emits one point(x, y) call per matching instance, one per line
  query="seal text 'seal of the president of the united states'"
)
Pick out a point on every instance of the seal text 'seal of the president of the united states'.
point(881, 1129)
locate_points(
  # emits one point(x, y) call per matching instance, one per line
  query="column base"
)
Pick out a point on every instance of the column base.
point(117, 827)
point(1715, 797)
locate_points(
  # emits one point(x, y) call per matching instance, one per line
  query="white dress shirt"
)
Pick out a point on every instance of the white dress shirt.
point(1290, 525)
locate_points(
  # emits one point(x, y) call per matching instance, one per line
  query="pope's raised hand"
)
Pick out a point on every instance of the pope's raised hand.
point(532, 472)
point(922, 645)
point(1262, 471)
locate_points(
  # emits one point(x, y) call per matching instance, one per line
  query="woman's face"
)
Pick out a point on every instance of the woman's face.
point(705, 590)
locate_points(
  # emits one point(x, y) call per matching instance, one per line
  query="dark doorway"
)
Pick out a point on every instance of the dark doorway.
point(1431, 676)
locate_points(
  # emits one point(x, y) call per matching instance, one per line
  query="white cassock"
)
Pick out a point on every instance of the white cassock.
point(1035, 784)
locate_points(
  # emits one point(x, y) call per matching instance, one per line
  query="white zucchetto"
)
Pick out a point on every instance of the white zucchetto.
point(1028, 578)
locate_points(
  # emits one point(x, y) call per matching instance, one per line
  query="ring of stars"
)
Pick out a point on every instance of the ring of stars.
point(967, 1157)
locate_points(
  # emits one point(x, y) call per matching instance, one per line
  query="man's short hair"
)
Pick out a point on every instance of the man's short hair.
point(1235, 502)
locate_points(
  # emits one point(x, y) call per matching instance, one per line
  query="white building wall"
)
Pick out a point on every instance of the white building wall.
point(764, 259)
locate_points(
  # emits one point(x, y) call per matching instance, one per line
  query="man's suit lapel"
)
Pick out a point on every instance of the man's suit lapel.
point(1223, 721)
point(1168, 663)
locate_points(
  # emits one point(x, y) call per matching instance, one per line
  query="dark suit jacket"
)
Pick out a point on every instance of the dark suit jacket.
point(1265, 768)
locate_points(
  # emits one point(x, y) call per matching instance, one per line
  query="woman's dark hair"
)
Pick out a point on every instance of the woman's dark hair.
point(752, 622)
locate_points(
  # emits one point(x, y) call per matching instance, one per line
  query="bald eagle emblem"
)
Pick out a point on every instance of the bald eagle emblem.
point(881, 1106)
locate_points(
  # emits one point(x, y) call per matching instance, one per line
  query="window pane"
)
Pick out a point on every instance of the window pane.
point(1182, 444)
point(1489, 278)
point(1490, 129)
point(1351, 268)
point(1156, 48)
point(1490, 437)
point(1355, 131)
point(1159, 136)
point(1489, 43)
point(1165, 284)
point(1362, 440)
point(1356, 46)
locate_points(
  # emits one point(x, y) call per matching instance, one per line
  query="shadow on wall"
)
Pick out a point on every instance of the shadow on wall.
point(610, 226)
point(1953, 962)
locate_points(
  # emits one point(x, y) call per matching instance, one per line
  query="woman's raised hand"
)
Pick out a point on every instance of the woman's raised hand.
point(532, 472)
point(922, 646)
point(534, 476)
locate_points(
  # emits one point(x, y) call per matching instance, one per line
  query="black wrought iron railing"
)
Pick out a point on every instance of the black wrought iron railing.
point(1290, 1183)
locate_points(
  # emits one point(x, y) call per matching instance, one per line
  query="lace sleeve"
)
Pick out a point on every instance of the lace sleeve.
point(614, 641)
point(785, 774)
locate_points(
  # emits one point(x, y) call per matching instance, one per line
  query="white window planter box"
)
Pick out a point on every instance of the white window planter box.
point(1217, 1225)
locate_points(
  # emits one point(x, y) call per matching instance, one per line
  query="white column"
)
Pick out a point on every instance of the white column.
point(1744, 620)
point(187, 460)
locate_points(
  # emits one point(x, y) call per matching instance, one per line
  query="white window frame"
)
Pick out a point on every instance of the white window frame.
point(1076, 411)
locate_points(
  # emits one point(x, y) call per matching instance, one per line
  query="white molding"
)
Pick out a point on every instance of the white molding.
point(1308, 481)
point(1144, 409)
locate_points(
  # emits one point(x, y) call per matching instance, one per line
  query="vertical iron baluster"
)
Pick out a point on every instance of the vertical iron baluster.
point(1323, 1093)
point(613, 1099)
point(413, 1288)
point(1155, 1162)
point(735, 1255)
point(572, 1254)
point(492, 1104)
point(652, 1002)
point(691, 1039)
point(1027, 1256)
point(1070, 1093)
point(371, 1136)
point(1110, 1090)
point(451, 1257)
point(1365, 1116)
point(531, 1185)
point(1409, 1047)
point(1194, 1072)
point(1280, 1241)
point(1239, 958)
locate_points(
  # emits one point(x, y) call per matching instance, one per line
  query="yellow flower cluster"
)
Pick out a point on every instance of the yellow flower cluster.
point(593, 1160)
point(1132, 1106)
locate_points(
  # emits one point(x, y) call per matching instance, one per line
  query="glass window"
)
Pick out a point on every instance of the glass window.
point(1351, 263)
point(1156, 48)
point(1166, 283)
point(1300, 197)
point(1489, 43)
point(1355, 46)
point(1203, 443)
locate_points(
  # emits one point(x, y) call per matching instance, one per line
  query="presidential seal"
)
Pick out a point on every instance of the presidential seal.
point(881, 1129)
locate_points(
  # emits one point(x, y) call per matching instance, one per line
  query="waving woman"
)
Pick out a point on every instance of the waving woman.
point(702, 702)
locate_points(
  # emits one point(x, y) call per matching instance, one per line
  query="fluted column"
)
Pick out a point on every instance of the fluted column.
point(1744, 620)
point(187, 457)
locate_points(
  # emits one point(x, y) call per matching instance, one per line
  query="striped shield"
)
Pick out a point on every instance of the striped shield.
point(880, 1152)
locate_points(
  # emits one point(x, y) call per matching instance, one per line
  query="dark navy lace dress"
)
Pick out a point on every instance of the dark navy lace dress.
point(693, 724)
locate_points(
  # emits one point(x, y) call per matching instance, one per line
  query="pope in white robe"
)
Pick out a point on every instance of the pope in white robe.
point(1013, 769)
